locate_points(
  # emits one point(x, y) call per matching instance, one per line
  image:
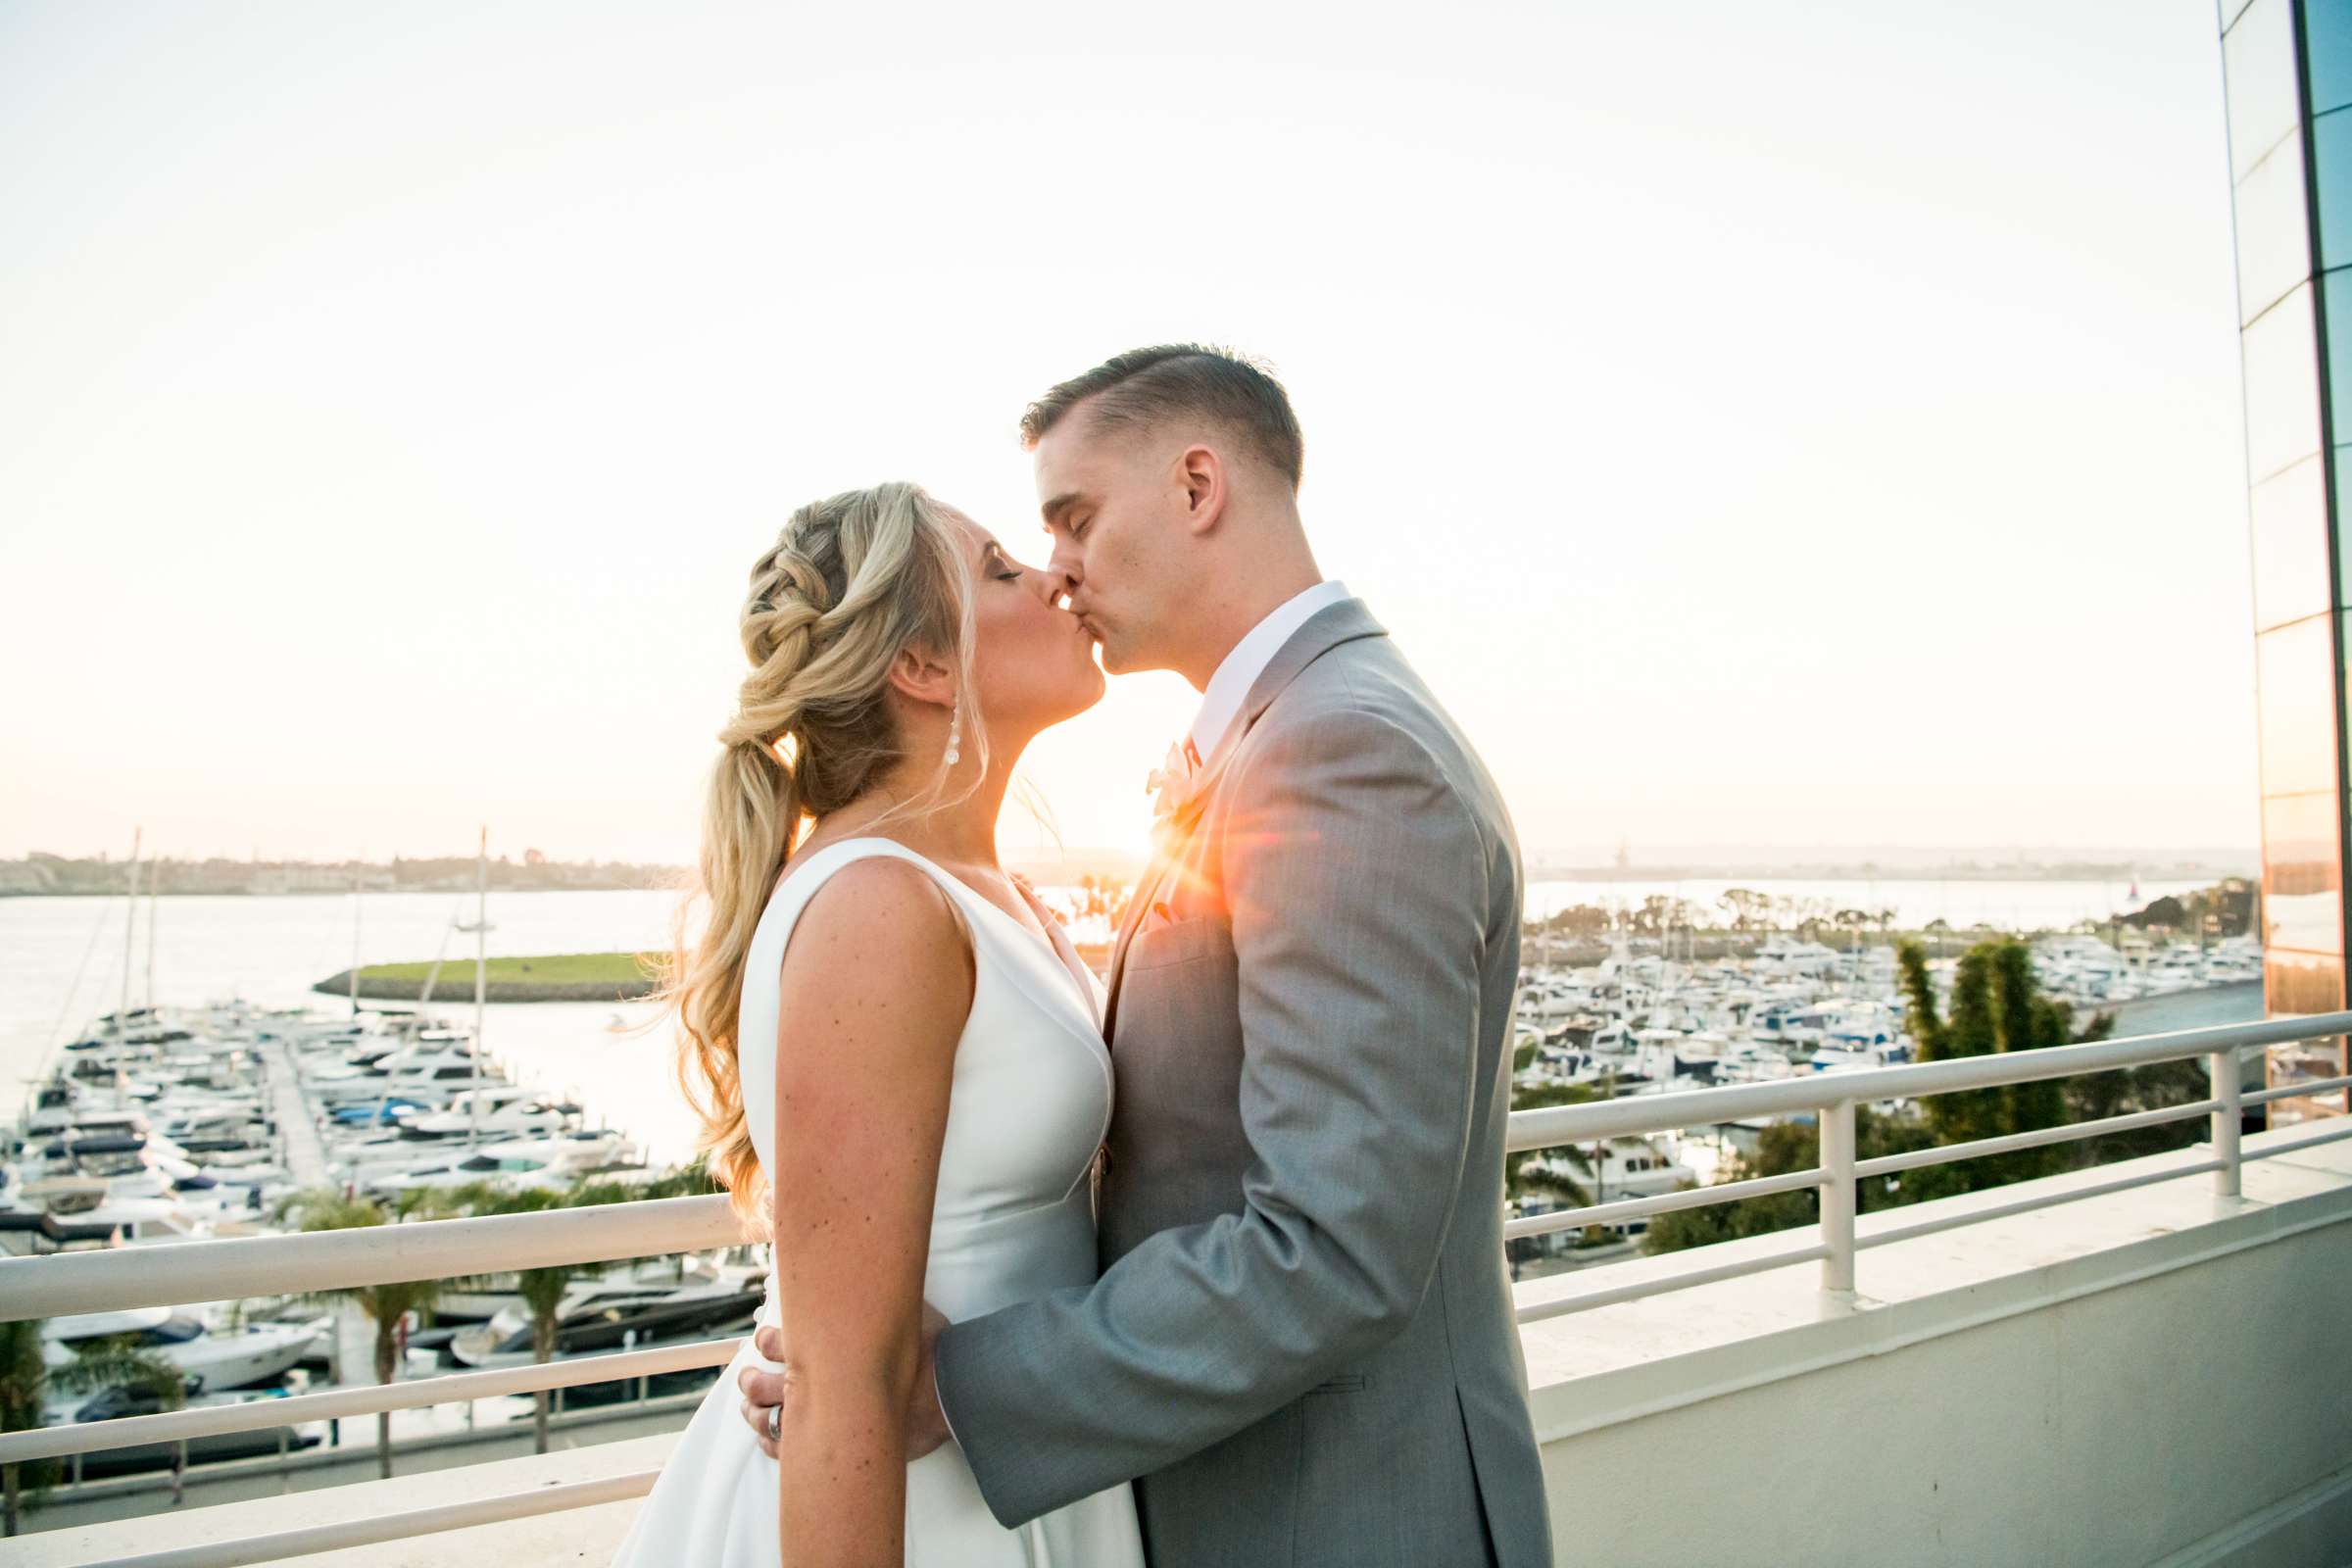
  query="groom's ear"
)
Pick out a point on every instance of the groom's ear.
point(1201, 474)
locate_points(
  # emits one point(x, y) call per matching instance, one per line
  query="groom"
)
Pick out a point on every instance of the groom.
point(1301, 1345)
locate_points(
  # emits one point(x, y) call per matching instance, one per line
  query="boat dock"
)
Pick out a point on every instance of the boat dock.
point(306, 1162)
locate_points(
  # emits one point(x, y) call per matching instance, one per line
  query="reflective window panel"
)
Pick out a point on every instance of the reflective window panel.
point(2282, 359)
point(2302, 873)
point(2274, 243)
point(2342, 533)
point(2300, 983)
point(2288, 515)
point(2294, 673)
point(2258, 75)
point(2332, 158)
point(2338, 295)
point(2328, 53)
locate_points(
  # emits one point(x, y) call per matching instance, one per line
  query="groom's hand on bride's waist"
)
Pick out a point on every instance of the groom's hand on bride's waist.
point(766, 1393)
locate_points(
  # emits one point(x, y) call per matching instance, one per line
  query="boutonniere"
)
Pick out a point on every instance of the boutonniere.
point(1171, 784)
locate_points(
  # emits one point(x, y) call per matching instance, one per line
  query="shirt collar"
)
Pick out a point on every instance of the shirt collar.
point(1229, 687)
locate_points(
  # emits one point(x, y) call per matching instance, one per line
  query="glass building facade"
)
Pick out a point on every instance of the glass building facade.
point(2288, 76)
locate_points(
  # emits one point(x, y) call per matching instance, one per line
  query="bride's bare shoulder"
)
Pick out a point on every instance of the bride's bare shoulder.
point(877, 923)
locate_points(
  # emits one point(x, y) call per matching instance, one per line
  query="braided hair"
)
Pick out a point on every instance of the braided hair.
point(850, 583)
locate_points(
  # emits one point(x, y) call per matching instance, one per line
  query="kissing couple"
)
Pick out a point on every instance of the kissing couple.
point(1201, 1268)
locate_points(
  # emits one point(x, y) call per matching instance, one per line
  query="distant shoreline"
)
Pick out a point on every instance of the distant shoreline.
point(1854, 874)
point(1536, 873)
point(313, 893)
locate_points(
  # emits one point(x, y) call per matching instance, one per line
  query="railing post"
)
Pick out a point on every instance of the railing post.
point(1837, 1197)
point(2226, 1117)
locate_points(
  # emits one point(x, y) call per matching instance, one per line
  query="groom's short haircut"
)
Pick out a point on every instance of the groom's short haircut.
point(1143, 387)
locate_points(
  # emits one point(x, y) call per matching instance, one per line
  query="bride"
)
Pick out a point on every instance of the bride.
point(896, 1053)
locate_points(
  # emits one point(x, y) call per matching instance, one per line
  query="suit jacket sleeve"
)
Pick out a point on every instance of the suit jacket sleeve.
point(1358, 884)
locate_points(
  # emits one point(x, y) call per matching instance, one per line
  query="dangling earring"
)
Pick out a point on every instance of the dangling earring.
point(956, 734)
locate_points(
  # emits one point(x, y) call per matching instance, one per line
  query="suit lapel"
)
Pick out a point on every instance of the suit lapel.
point(1326, 629)
point(1145, 890)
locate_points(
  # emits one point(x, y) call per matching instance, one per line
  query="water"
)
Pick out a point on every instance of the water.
point(61, 962)
point(270, 951)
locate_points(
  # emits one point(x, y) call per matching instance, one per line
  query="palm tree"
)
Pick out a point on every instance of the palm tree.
point(1533, 1174)
point(117, 1361)
point(385, 1304)
point(1532, 1171)
point(690, 1179)
point(24, 1381)
point(542, 1289)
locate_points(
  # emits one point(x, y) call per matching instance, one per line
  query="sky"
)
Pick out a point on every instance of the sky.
point(1798, 425)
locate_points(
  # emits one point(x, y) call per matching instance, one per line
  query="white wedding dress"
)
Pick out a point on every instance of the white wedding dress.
point(1014, 1219)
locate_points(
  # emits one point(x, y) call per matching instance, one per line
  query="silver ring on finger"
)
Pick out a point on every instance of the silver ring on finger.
point(775, 1423)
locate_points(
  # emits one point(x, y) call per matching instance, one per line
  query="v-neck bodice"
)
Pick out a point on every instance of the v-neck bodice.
point(1011, 1219)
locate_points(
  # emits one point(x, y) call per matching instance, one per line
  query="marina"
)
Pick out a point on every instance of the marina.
point(166, 1125)
point(1647, 1023)
point(176, 1120)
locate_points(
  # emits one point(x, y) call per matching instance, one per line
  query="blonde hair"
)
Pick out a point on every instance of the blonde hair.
point(851, 581)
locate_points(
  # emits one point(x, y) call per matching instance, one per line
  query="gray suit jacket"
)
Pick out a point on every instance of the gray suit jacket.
point(1301, 1342)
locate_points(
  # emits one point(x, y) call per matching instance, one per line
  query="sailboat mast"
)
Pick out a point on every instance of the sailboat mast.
point(355, 947)
point(155, 884)
point(130, 922)
point(481, 982)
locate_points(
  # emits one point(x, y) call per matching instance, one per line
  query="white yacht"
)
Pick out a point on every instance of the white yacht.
point(608, 1313)
point(554, 1161)
point(109, 1404)
point(212, 1361)
point(1625, 1168)
point(503, 1111)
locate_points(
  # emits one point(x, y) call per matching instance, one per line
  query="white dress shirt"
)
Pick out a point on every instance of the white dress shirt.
point(1229, 688)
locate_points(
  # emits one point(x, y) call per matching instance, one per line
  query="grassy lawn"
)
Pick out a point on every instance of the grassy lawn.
point(562, 969)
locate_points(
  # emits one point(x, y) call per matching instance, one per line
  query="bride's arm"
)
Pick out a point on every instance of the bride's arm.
point(876, 985)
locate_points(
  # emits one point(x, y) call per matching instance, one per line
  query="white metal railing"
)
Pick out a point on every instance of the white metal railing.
point(111, 1279)
point(1831, 1096)
point(66, 1283)
point(362, 1398)
point(117, 1278)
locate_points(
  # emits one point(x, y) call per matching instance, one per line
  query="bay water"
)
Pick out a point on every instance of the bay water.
point(61, 962)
